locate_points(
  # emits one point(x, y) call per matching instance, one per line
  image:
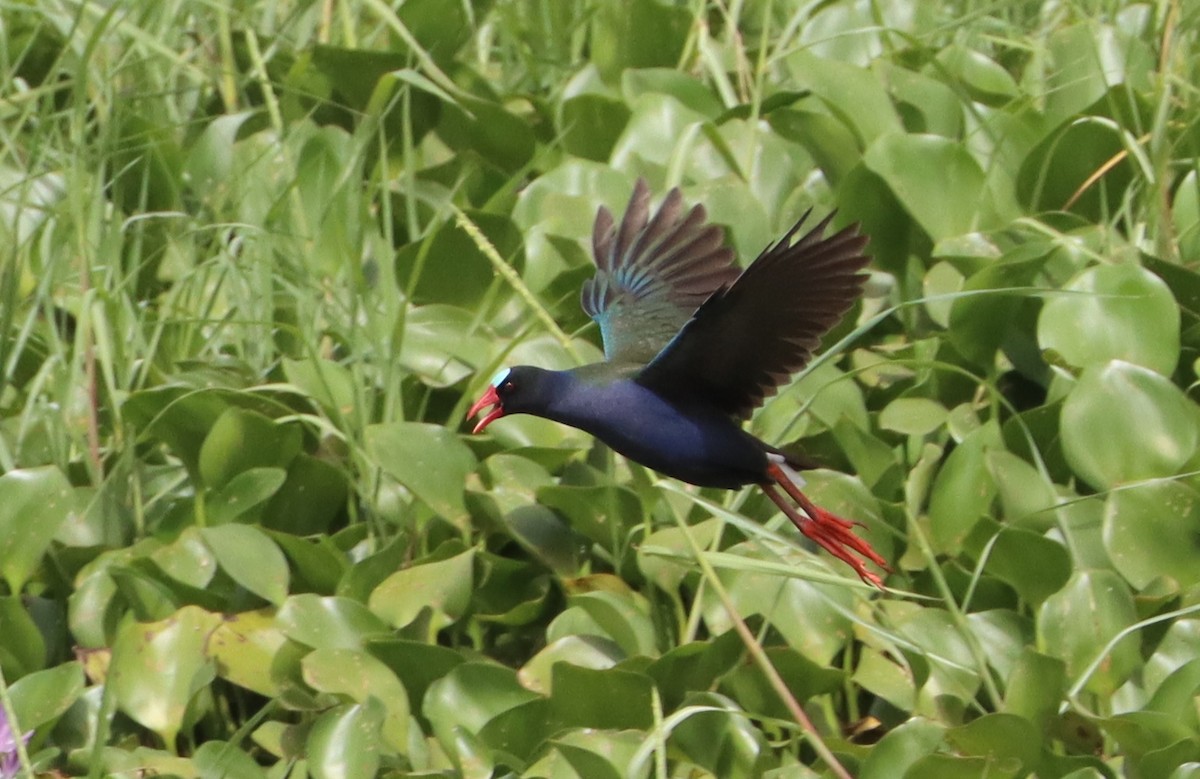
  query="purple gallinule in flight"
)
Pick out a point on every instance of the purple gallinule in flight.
point(693, 344)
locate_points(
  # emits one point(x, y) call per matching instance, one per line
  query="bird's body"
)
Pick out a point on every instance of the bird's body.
point(693, 345)
point(696, 445)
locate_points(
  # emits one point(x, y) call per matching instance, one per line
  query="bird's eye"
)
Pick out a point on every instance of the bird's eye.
point(507, 386)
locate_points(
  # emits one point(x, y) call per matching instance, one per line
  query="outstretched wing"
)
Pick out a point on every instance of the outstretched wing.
point(749, 338)
point(652, 273)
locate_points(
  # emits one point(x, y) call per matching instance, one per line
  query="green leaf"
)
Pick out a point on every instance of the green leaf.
point(243, 493)
point(984, 79)
point(1035, 687)
point(467, 698)
point(637, 34)
point(999, 736)
point(600, 698)
point(250, 558)
point(447, 267)
point(1123, 423)
point(443, 586)
point(1033, 565)
point(310, 498)
point(590, 125)
point(415, 663)
point(902, 748)
point(157, 668)
point(244, 647)
point(1076, 624)
point(938, 182)
point(358, 675)
point(34, 503)
point(223, 759)
point(1153, 531)
point(913, 416)
point(619, 616)
point(241, 440)
point(329, 623)
point(344, 742)
point(427, 459)
point(329, 383)
point(804, 678)
point(1120, 312)
point(42, 696)
point(852, 94)
point(963, 490)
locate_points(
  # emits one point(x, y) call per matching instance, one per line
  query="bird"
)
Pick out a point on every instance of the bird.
point(693, 344)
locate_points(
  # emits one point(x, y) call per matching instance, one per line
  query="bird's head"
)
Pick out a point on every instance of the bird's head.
point(518, 390)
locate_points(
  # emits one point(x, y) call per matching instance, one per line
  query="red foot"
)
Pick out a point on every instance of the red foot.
point(834, 534)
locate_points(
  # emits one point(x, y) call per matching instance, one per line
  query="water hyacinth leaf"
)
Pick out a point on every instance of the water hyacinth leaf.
point(243, 493)
point(415, 663)
point(986, 80)
point(221, 758)
point(581, 650)
point(316, 564)
point(177, 416)
point(23, 649)
point(1030, 563)
point(34, 503)
point(545, 536)
point(1034, 688)
point(427, 459)
point(41, 696)
point(328, 383)
point(937, 181)
point(310, 498)
point(590, 125)
point(448, 267)
point(251, 559)
point(805, 679)
point(187, 559)
point(601, 513)
point(902, 748)
point(1000, 736)
point(1076, 624)
point(622, 617)
point(442, 586)
point(600, 698)
point(1025, 494)
point(442, 344)
point(241, 440)
point(358, 675)
point(695, 665)
point(1153, 531)
point(913, 416)
point(345, 742)
point(468, 697)
point(520, 730)
point(157, 667)
point(1120, 312)
point(852, 94)
point(1156, 424)
point(329, 622)
point(244, 647)
point(963, 490)
point(638, 34)
point(721, 739)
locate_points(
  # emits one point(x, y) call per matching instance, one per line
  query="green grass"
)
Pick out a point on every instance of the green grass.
point(260, 258)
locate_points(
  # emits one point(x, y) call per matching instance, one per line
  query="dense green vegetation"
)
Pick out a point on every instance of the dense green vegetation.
point(259, 258)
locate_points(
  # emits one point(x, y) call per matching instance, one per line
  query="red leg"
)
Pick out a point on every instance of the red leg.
point(832, 533)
